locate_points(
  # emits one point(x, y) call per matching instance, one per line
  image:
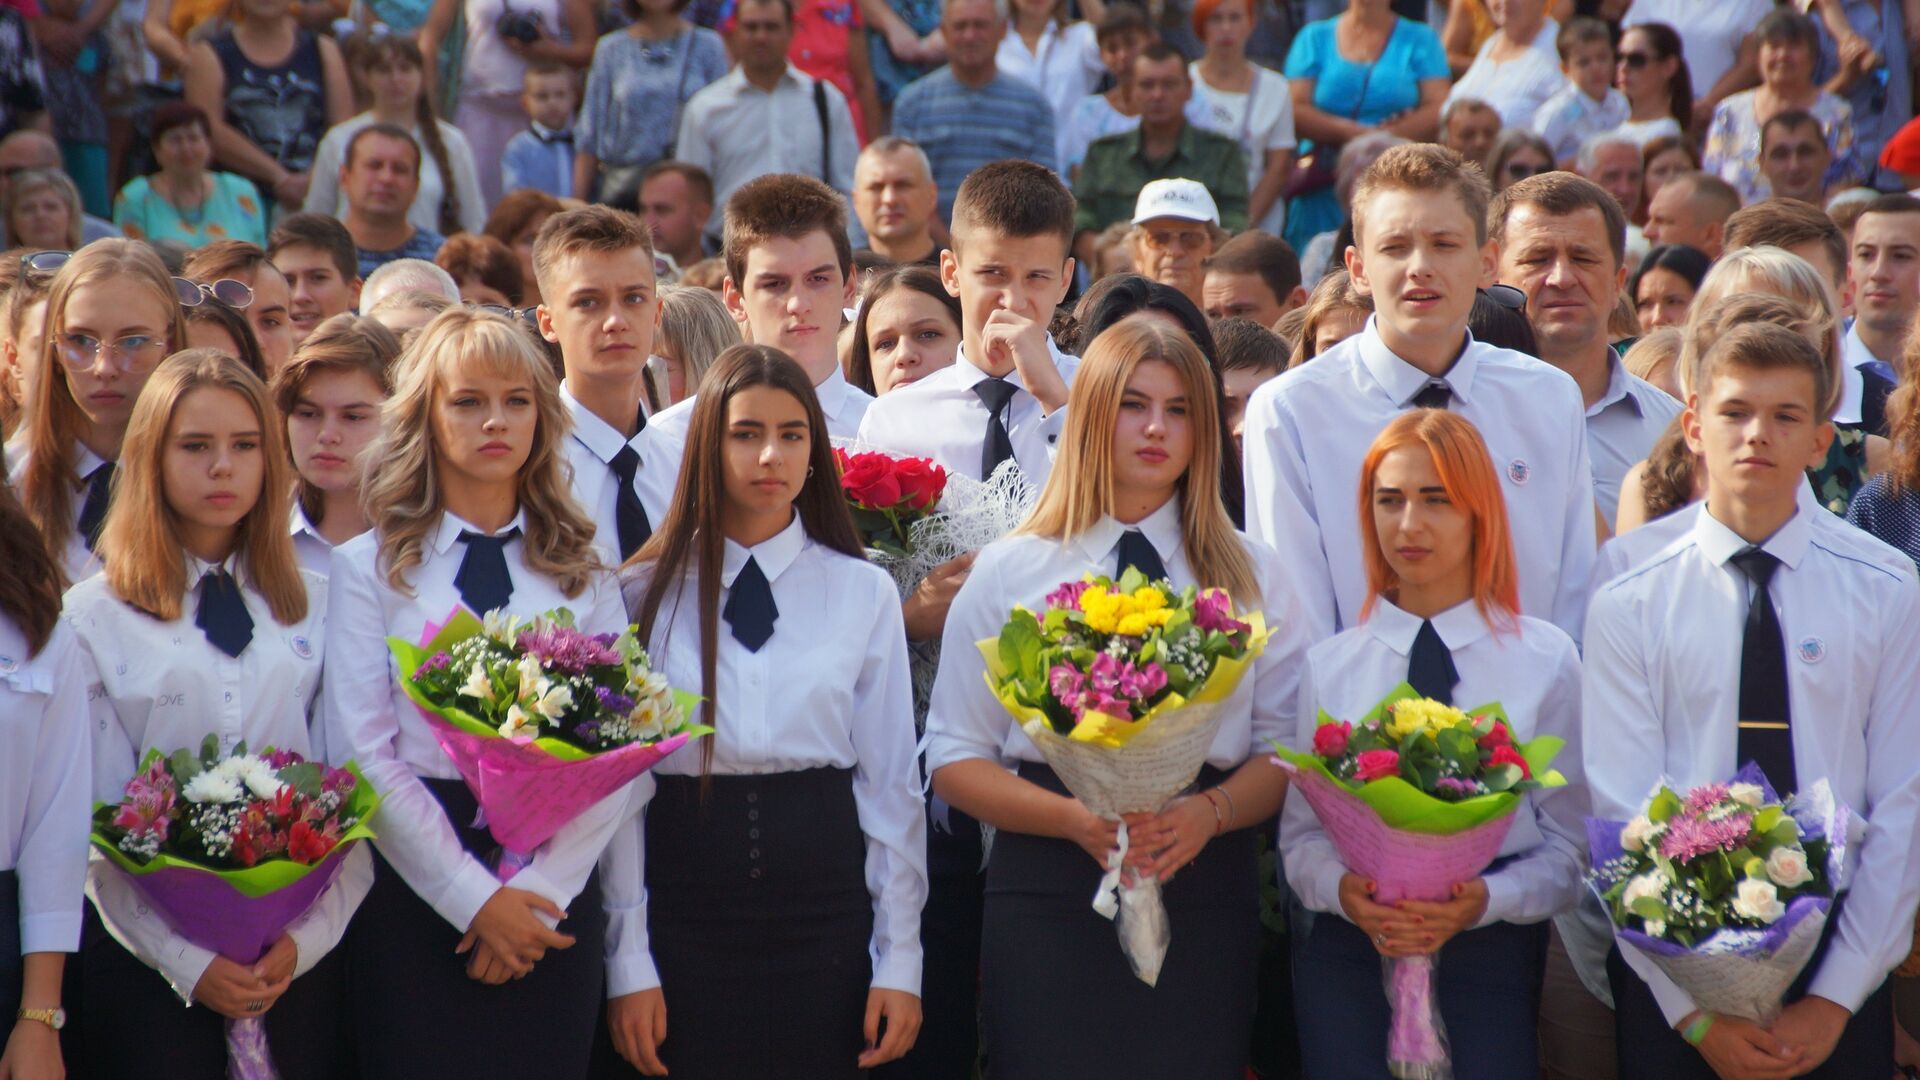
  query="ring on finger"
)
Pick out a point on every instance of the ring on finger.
point(256, 1005)
point(1380, 938)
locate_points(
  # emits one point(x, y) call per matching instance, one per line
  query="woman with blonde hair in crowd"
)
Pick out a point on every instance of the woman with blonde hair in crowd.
point(694, 330)
point(112, 315)
point(1335, 311)
point(41, 211)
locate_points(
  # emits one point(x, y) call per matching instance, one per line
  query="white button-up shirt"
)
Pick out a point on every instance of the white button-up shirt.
point(940, 417)
point(310, 546)
point(1853, 387)
point(371, 720)
point(46, 784)
point(1622, 428)
point(807, 699)
point(843, 403)
point(1308, 432)
point(1533, 673)
point(163, 686)
point(1663, 651)
point(737, 132)
point(591, 449)
point(1064, 68)
point(966, 721)
point(78, 562)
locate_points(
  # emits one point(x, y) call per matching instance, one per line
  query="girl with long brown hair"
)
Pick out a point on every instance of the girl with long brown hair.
point(453, 973)
point(112, 315)
point(202, 624)
point(1443, 614)
point(784, 863)
point(1134, 484)
point(45, 796)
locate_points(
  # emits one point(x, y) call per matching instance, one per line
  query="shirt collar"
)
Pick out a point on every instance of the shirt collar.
point(774, 554)
point(833, 392)
point(596, 434)
point(1161, 528)
point(1459, 626)
point(1620, 388)
point(546, 134)
point(299, 523)
point(966, 373)
point(1182, 147)
point(1402, 380)
point(1788, 543)
point(1853, 387)
point(451, 526)
point(85, 461)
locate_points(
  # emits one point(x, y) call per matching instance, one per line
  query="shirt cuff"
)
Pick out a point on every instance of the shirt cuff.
point(1845, 979)
point(631, 974)
point(1503, 896)
point(472, 887)
point(57, 931)
point(899, 970)
point(1320, 890)
point(535, 882)
point(312, 939)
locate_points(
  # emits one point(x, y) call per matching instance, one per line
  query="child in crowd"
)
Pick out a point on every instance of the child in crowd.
point(1588, 104)
point(541, 157)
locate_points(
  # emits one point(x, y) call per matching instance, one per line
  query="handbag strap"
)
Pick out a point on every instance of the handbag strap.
point(826, 131)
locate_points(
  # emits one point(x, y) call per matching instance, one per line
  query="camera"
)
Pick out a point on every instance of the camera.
point(521, 26)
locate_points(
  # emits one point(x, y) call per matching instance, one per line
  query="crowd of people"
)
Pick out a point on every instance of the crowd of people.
point(1559, 353)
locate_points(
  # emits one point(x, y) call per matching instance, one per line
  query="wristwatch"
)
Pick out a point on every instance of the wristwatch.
point(53, 1018)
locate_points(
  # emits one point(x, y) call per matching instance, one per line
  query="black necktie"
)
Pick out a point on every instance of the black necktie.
point(630, 518)
point(995, 394)
point(1138, 552)
point(483, 580)
point(1430, 669)
point(750, 609)
point(223, 613)
point(1764, 734)
point(1434, 395)
point(93, 512)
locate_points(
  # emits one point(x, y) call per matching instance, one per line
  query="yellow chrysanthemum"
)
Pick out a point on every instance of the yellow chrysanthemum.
point(1423, 715)
point(1149, 598)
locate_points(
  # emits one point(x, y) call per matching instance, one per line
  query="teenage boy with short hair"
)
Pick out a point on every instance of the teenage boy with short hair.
point(602, 308)
point(1250, 355)
point(315, 253)
point(1420, 250)
point(1770, 632)
point(789, 281)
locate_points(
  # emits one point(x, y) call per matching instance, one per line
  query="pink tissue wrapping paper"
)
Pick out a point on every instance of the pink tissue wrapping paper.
point(527, 793)
point(1406, 865)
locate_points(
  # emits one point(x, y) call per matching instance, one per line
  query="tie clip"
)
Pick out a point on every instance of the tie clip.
point(1764, 725)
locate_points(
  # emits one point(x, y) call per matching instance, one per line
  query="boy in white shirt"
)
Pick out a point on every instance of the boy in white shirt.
point(1420, 251)
point(1588, 104)
point(1768, 632)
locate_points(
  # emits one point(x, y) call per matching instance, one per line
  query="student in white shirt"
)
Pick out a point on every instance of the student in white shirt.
point(766, 919)
point(1420, 250)
point(45, 796)
point(454, 973)
point(1777, 634)
point(203, 624)
point(1442, 613)
point(789, 280)
point(330, 394)
point(112, 315)
point(602, 308)
point(1134, 485)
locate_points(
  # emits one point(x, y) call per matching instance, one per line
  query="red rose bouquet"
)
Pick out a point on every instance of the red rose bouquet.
point(888, 495)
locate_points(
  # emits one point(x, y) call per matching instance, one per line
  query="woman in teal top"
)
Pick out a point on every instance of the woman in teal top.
point(1364, 69)
point(184, 202)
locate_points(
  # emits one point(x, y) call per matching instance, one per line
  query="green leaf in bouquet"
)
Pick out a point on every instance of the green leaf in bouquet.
point(1648, 907)
point(1784, 832)
point(1663, 806)
point(1148, 650)
point(1501, 777)
point(1131, 581)
point(1754, 867)
point(184, 766)
point(306, 778)
point(1765, 818)
point(1054, 621)
point(1020, 647)
point(210, 751)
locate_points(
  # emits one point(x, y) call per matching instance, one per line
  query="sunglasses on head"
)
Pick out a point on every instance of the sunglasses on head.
point(44, 262)
point(234, 294)
point(529, 315)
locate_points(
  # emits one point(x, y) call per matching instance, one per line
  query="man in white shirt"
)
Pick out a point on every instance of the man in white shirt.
point(766, 116)
point(1562, 241)
point(789, 280)
point(1420, 251)
point(1883, 275)
point(1768, 632)
point(602, 307)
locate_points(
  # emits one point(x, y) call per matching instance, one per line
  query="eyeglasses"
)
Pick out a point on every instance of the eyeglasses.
point(1520, 170)
point(44, 262)
point(529, 314)
point(1506, 296)
point(81, 352)
point(234, 294)
point(1636, 60)
point(1190, 239)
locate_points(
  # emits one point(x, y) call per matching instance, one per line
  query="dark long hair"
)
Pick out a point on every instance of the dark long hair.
point(1666, 40)
point(1125, 294)
point(29, 578)
point(692, 535)
point(367, 52)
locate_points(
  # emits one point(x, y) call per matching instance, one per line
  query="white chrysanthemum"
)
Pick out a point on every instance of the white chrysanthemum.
point(1637, 832)
point(1756, 899)
point(478, 686)
point(1656, 928)
point(1787, 867)
point(254, 773)
point(1651, 885)
point(213, 786)
point(1747, 794)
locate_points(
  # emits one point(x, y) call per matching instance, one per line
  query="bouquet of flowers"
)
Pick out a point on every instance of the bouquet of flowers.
point(1418, 796)
point(1726, 888)
point(233, 850)
point(888, 495)
point(543, 720)
point(1119, 686)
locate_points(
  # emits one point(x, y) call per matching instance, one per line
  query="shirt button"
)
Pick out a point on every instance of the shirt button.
point(753, 796)
point(753, 815)
point(753, 853)
point(228, 696)
point(754, 873)
point(753, 834)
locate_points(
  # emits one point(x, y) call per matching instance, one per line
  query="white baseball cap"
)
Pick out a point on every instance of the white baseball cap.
point(1188, 200)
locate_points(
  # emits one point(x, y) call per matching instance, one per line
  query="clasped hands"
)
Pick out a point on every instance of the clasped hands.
point(1798, 1042)
point(1412, 927)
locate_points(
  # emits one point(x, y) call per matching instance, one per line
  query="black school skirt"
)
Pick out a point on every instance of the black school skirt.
point(1059, 1001)
point(760, 922)
point(415, 1012)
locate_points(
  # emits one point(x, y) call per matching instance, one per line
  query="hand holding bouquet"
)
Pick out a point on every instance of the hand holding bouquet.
point(1417, 797)
point(1726, 888)
point(1119, 687)
point(888, 495)
point(542, 719)
point(234, 850)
